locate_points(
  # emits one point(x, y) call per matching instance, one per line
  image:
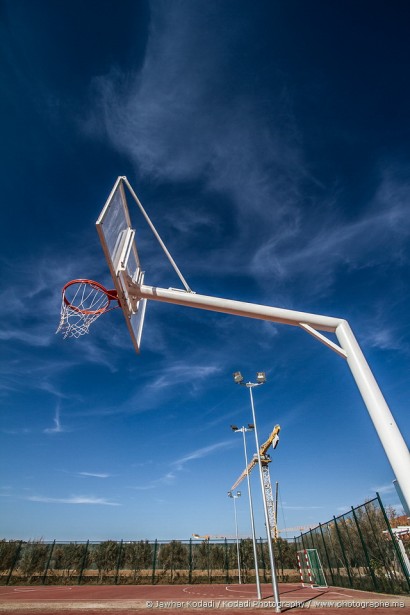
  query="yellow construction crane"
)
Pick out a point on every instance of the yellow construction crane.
point(273, 441)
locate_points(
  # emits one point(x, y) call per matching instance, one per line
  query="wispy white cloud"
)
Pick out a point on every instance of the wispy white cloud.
point(250, 156)
point(236, 146)
point(183, 372)
point(199, 453)
point(375, 237)
point(94, 474)
point(180, 464)
point(388, 488)
point(58, 428)
point(75, 499)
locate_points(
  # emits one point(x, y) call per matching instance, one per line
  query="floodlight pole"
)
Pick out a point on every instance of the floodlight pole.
point(392, 440)
point(275, 586)
point(243, 430)
point(235, 496)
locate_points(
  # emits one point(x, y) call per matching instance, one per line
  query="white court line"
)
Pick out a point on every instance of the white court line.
point(23, 590)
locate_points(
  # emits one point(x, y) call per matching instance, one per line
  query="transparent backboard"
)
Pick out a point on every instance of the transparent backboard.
point(118, 242)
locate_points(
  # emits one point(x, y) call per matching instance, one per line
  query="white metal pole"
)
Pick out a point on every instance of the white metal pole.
point(383, 420)
point(255, 551)
point(237, 540)
point(265, 509)
point(240, 308)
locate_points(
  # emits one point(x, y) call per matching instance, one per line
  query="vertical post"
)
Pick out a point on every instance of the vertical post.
point(395, 545)
point(335, 557)
point(346, 525)
point(327, 554)
point(117, 571)
point(238, 556)
point(366, 554)
point(190, 562)
point(255, 552)
point(311, 539)
point(16, 556)
point(343, 552)
point(265, 579)
point(265, 509)
point(80, 576)
point(154, 561)
point(48, 562)
point(380, 550)
point(226, 561)
point(208, 557)
point(392, 441)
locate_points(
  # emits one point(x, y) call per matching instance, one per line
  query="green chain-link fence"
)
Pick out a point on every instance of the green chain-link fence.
point(359, 550)
point(142, 562)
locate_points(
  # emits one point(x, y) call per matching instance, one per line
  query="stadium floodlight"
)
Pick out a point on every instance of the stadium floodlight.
point(238, 378)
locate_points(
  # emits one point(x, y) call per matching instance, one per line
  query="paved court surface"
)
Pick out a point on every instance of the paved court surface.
point(190, 599)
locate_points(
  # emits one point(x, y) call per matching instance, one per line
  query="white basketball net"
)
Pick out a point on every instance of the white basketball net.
point(83, 302)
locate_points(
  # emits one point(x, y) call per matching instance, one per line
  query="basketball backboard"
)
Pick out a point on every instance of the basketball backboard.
point(118, 241)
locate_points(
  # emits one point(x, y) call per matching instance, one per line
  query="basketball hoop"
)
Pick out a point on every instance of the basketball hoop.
point(83, 301)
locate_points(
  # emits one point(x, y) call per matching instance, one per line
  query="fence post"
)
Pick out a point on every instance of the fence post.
point(48, 563)
point(393, 539)
point(263, 560)
point(190, 562)
point(226, 561)
point(279, 556)
point(381, 551)
point(343, 552)
point(327, 554)
point(118, 563)
point(154, 561)
point(16, 556)
point(80, 576)
point(366, 554)
point(346, 526)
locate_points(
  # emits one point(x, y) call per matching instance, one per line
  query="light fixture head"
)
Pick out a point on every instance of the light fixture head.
point(234, 428)
point(251, 426)
point(238, 378)
point(238, 494)
point(260, 377)
point(230, 494)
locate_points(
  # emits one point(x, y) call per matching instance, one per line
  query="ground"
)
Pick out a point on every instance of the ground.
point(235, 599)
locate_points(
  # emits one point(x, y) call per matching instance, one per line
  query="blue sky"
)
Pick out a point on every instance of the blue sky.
point(268, 141)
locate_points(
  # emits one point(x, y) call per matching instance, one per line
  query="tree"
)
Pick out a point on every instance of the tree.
point(138, 556)
point(173, 556)
point(33, 559)
point(247, 559)
point(105, 557)
point(8, 553)
point(69, 558)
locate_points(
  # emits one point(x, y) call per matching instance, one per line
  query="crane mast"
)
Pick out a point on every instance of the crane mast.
point(267, 485)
